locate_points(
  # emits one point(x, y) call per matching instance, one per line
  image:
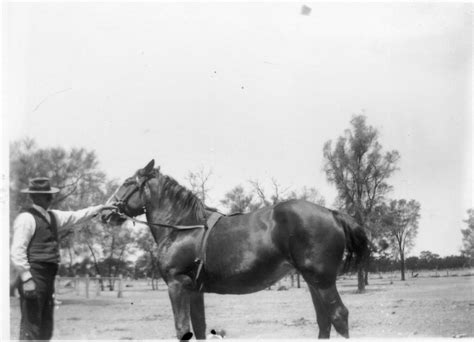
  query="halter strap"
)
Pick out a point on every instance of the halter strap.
point(159, 224)
point(202, 258)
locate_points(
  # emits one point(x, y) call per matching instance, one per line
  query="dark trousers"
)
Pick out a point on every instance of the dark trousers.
point(37, 313)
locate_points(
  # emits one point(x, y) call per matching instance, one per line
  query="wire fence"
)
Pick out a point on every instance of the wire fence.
point(90, 287)
point(93, 287)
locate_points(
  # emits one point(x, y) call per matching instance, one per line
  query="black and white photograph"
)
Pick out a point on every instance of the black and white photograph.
point(242, 170)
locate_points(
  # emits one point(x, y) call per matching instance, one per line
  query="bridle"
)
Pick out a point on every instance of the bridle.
point(122, 203)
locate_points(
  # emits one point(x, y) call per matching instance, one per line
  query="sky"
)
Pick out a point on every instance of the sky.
point(250, 91)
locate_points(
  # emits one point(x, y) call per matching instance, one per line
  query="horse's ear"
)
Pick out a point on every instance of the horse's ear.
point(147, 169)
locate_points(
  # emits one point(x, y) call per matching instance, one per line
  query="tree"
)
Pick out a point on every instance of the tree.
point(278, 193)
point(359, 170)
point(238, 200)
point(77, 242)
point(198, 182)
point(429, 260)
point(428, 256)
point(260, 192)
point(108, 247)
point(147, 264)
point(74, 172)
point(412, 263)
point(401, 218)
point(468, 236)
point(308, 194)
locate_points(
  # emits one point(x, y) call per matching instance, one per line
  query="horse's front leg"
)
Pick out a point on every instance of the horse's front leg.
point(198, 317)
point(180, 297)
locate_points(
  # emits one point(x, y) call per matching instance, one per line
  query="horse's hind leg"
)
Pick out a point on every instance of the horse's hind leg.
point(323, 291)
point(322, 316)
point(198, 317)
point(338, 313)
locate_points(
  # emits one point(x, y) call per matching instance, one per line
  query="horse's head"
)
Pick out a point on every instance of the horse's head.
point(128, 198)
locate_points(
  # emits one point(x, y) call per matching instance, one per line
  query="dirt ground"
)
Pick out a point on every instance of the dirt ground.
point(418, 307)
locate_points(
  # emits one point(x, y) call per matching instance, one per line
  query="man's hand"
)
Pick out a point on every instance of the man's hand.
point(29, 289)
point(108, 207)
point(107, 211)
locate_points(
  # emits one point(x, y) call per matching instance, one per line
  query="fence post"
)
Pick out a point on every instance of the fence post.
point(87, 286)
point(76, 284)
point(98, 285)
point(56, 284)
point(119, 294)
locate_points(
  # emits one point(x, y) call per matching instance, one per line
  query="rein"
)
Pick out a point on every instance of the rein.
point(158, 224)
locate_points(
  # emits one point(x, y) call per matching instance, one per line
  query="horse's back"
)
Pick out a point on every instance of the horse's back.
point(303, 218)
point(273, 227)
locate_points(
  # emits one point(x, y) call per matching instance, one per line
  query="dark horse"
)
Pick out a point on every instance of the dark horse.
point(244, 253)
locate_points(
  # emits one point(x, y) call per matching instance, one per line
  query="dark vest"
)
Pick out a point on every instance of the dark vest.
point(44, 246)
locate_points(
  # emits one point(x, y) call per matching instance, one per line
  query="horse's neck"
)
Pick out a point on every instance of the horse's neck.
point(161, 208)
point(169, 214)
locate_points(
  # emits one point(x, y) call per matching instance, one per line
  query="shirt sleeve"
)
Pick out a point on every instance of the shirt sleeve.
point(24, 228)
point(67, 219)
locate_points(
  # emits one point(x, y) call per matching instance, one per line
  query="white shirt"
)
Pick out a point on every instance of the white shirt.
point(24, 228)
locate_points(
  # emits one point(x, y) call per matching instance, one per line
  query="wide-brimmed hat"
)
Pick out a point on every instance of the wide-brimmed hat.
point(40, 186)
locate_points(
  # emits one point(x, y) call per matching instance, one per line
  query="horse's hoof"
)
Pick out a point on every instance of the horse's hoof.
point(187, 336)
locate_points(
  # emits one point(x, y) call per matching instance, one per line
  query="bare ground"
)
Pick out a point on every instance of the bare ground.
point(418, 307)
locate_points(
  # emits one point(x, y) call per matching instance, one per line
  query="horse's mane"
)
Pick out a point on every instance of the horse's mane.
point(185, 200)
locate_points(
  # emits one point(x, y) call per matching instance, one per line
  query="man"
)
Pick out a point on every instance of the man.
point(35, 256)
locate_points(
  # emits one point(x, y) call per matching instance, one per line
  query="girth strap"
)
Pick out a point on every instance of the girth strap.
point(201, 260)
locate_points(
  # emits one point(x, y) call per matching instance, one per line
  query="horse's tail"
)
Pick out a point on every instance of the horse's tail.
point(356, 240)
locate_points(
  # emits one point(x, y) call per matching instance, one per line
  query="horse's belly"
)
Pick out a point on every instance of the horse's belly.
point(251, 280)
